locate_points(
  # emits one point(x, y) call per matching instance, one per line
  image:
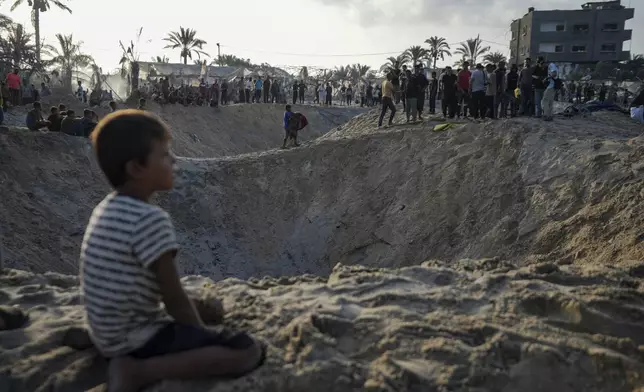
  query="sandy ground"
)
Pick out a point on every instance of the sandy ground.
point(536, 225)
point(471, 325)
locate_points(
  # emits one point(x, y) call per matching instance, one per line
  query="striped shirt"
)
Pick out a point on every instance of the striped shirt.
point(120, 293)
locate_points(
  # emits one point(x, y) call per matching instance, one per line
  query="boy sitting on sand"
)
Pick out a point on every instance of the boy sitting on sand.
point(127, 269)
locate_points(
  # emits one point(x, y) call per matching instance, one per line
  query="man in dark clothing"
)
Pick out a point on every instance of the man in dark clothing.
point(411, 95)
point(329, 94)
point(34, 119)
point(422, 81)
point(296, 87)
point(512, 83)
point(449, 85)
point(525, 86)
point(369, 95)
point(404, 77)
point(317, 93)
point(275, 92)
point(539, 74)
point(224, 92)
point(302, 88)
point(267, 89)
point(54, 120)
point(88, 122)
point(71, 125)
point(501, 97)
point(433, 92)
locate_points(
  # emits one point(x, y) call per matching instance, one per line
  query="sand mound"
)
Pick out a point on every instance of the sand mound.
point(471, 325)
point(525, 191)
point(205, 132)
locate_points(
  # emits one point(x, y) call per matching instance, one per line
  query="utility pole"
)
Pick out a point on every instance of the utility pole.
point(218, 54)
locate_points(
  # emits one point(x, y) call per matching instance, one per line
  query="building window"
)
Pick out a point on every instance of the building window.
point(551, 48)
point(578, 49)
point(608, 48)
point(514, 35)
point(548, 27)
point(581, 28)
point(610, 27)
point(524, 30)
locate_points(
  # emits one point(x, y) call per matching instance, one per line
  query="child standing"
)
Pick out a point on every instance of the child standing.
point(127, 269)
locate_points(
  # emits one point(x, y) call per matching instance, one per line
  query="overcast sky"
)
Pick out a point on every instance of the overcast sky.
point(294, 32)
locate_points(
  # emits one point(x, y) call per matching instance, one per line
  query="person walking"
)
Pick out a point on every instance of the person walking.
point(539, 74)
point(296, 88)
point(329, 94)
point(388, 92)
point(267, 89)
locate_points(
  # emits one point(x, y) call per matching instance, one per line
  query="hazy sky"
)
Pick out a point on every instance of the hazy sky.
point(294, 32)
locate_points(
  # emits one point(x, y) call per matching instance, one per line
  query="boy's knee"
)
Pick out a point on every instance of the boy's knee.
point(254, 355)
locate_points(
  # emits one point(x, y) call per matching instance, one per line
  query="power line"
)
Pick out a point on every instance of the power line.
point(314, 54)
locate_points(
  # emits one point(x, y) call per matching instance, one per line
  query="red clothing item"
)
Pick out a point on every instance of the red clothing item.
point(13, 81)
point(464, 80)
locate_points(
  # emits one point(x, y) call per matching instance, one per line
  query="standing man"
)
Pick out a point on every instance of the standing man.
point(14, 83)
point(501, 97)
point(525, 86)
point(249, 86)
point(478, 83)
point(410, 95)
point(329, 94)
point(302, 88)
point(433, 93)
point(267, 89)
point(387, 100)
point(422, 81)
point(258, 89)
point(449, 83)
point(296, 87)
point(490, 91)
point(512, 82)
point(539, 74)
point(464, 89)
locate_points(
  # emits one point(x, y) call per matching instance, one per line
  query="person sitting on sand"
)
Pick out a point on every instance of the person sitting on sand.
point(35, 120)
point(141, 104)
point(124, 278)
point(113, 107)
point(88, 122)
point(70, 124)
point(54, 120)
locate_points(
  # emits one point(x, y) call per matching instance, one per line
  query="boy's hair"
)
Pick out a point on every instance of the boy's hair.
point(53, 109)
point(126, 136)
point(87, 112)
point(37, 105)
point(112, 103)
point(142, 100)
point(70, 112)
point(62, 107)
point(288, 108)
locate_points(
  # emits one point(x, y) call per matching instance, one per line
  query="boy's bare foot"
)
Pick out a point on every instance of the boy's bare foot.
point(122, 375)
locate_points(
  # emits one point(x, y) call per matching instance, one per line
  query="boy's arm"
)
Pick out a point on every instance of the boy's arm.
point(176, 301)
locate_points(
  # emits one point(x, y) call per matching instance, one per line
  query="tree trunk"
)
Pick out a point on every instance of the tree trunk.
point(185, 60)
point(135, 67)
point(37, 30)
point(435, 59)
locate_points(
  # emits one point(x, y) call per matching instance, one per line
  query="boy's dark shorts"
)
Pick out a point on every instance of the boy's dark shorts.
point(175, 337)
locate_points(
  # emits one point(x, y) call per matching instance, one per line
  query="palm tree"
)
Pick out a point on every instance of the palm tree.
point(130, 61)
point(68, 57)
point(438, 47)
point(232, 61)
point(395, 63)
point(495, 58)
point(359, 71)
point(472, 49)
point(160, 59)
point(200, 62)
point(460, 63)
point(417, 53)
point(187, 41)
point(38, 6)
point(5, 21)
point(17, 47)
point(341, 73)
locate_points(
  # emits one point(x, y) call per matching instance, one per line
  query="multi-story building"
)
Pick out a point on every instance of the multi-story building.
point(594, 33)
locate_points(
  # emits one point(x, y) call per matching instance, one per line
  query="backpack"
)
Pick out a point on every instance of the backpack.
point(297, 122)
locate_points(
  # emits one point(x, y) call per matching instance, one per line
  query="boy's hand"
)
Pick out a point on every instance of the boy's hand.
point(176, 301)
